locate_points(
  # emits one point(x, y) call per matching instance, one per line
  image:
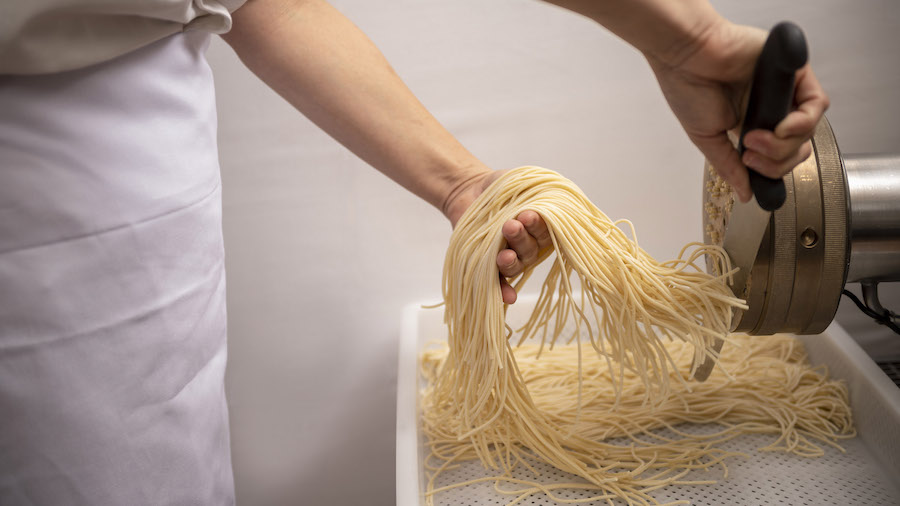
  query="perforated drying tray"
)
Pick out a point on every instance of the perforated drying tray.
point(867, 474)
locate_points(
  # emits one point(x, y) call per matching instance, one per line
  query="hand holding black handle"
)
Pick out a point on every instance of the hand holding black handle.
point(771, 97)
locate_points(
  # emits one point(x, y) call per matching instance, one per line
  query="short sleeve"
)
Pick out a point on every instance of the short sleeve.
point(46, 36)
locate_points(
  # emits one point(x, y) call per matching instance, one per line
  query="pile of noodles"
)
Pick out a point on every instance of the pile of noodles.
point(636, 328)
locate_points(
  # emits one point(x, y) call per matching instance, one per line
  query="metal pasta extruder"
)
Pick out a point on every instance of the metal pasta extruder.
point(835, 219)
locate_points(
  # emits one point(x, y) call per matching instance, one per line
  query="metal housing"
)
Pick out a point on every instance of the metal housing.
point(803, 260)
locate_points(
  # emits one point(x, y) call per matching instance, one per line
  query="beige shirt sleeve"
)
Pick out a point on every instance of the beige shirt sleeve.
point(45, 36)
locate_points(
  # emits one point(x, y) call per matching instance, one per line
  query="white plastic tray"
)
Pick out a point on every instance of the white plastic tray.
point(867, 474)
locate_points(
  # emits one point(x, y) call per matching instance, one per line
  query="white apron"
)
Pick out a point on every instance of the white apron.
point(112, 285)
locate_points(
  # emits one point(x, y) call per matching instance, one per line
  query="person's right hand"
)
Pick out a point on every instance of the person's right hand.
point(706, 87)
point(526, 234)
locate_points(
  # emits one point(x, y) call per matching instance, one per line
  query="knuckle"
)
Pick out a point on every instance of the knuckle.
point(511, 229)
point(508, 271)
point(527, 218)
point(804, 126)
point(783, 150)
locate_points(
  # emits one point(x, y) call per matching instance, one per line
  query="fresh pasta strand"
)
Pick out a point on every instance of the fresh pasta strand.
point(771, 389)
point(646, 322)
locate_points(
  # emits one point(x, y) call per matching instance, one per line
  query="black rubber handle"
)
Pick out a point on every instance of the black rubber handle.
point(771, 97)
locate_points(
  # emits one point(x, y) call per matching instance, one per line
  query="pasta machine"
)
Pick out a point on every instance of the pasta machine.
point(834, 219)
point(840, 223)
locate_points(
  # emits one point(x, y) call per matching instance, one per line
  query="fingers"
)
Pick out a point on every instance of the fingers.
point(525, 243)
point(535, 226)
point(811, 103)
point(765, 144)
point(522, 251)
point(526, 236)
point(509, 264)
point(771, 153)
point(774, 154)
point(520, 241)
point(507, 291)
point(783, 158)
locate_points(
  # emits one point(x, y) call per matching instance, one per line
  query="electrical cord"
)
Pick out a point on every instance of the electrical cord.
point(886, 318)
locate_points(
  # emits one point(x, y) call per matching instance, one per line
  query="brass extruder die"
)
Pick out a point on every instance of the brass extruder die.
point(801, 267)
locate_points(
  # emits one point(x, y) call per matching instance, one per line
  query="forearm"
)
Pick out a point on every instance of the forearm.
point(665, 30)
point(328, 69)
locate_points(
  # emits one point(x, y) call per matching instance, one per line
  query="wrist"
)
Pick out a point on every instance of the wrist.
point(463, 191)
point(685, 33)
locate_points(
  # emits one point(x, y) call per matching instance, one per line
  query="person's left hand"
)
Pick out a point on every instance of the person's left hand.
point(526, 235)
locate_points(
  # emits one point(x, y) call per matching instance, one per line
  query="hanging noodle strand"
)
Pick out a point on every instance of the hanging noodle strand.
point(644, 324)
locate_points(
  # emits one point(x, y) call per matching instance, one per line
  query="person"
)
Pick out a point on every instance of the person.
point(112, 307)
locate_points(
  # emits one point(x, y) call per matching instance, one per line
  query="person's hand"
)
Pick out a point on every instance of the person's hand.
point(706, 87)
point(526, 235)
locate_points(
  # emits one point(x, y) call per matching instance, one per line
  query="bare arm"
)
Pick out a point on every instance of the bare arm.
point(704, 65)
point(330, 71)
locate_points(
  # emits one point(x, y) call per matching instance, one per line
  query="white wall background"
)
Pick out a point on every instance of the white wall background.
point(323, 252)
